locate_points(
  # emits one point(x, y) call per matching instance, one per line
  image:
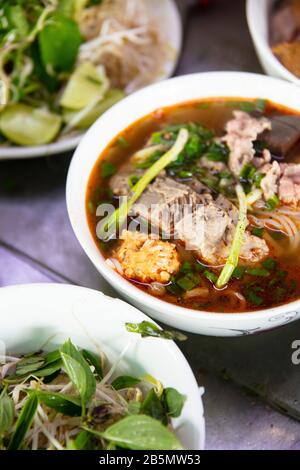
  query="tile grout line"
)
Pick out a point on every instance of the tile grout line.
point(40, 267)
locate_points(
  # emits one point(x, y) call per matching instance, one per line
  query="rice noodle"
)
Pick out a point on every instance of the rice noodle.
point(122, 35)
point(284, 220)
point(202, 292)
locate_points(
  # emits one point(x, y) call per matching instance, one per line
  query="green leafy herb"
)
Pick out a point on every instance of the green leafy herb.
point(29, 364)
point(124, 381)
point(173, 402)
point(93, 361)
point(7, 412)
point(24, 422)
point(152, 406)
point(62, 403)
point(59, 43)
point(78, 370)
point(140, 432)
point(146, 329)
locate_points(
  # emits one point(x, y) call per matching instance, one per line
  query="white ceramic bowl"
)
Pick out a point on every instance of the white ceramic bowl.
point(170, 92)
point(165, 12)
point(42, 316)
point(258, 12)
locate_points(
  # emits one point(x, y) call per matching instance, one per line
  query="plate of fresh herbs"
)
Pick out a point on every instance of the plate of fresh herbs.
point(82, 371)
point(64, 63)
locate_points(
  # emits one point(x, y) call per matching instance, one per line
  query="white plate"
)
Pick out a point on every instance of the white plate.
point(168, 16)
point(42, 316)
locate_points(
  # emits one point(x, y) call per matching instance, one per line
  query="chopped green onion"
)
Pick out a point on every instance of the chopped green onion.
point(189, 281)
point(123, 142)
point(257, 231)
point(107, 169)
point(254, 298)
point(212, 277)
point(272, 203)
point(269, 263)
point(233, 257)
point(258, 272)
point(120, 214)
point(132, 180)
point(239, 272)
point(186, 267)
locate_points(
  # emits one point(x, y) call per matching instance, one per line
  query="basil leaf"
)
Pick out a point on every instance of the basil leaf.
point(24, 422)
point(59, 43)
point(146, 328)
point(173, 402)
point(93, 361)
point(124, 381)
point(62, 403)
point(29, 364)
point(7, 412)
point(78, 370)
point(44, 371)
point(81, 442)
point(140, 432)
point(152, 406)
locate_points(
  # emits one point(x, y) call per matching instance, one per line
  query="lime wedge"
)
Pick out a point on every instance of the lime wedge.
point(25, 125)
point(88, 83)
point(83, 120)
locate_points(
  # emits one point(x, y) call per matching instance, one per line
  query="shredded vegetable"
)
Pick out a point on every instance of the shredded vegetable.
point(233, 257)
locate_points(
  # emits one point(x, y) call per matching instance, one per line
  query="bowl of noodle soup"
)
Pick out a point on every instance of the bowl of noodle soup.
point(226, 145)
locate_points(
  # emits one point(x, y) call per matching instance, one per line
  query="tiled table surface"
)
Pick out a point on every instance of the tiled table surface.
point(37, 245)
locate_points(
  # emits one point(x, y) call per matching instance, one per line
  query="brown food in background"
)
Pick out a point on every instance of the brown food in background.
point(289, 56)
point(284, 25)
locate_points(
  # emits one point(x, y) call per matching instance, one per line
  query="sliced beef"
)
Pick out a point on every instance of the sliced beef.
point(209, 231)
point(164, 202)
point(241, 132)
point(203, 224)
point(283, 180)
point(284, 135)
point(289, 184)
point(269, 183)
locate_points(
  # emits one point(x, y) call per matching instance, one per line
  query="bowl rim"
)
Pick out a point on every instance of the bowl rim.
point(129, 290)
point(262, 45)
point(69, 290)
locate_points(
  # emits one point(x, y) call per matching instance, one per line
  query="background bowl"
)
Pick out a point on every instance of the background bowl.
point(258, 21)
point(42, 316)
point(170, 92)
point(165, 12)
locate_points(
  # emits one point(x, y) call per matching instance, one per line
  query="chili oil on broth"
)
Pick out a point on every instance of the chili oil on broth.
point(212, 114)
